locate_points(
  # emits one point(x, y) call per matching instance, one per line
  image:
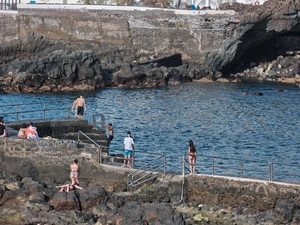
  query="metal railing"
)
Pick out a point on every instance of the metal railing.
point(80, 141)
point(244, 168)
point(16, 112)
point(95, 121)
point(148, 166)
point(9, 4)
point(149, 171)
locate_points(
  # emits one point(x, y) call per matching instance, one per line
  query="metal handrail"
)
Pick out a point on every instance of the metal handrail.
point(269, 172)
point(8, 4)
point(86, 145)
point(18, 111)
point(130, 177)
point(155, 171)
point(102, 120)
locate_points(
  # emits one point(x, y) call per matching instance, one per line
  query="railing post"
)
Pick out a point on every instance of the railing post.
point(165, 162)
point(17, 113)
point(100, 155)
point(78, 138)
point(183, 165)
point(213, 165)
point(241, 173)
point(270, 171)
point(133, 156)
point(69, 110)
point(44, 111)
point(94, 121)
point(103, 121)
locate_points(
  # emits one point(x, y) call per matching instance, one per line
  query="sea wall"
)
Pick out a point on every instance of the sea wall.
point(54, 128)
point(8, 26)
point(139, 29)
point(267, 200)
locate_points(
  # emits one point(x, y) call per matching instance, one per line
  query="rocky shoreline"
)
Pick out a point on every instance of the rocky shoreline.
point(69, 70)
point(24, 201)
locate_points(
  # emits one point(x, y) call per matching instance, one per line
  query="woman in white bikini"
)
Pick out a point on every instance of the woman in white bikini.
point(74, 172)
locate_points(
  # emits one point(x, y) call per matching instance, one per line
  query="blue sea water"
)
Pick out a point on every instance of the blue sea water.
point(216, 116)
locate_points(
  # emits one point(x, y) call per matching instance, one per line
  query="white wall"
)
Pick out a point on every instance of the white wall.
point(214, 4)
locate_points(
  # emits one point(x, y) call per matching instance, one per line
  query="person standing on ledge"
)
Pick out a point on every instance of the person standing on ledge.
point(128, 150)
point(81, 106)
point(192, 157)
point(111, 132)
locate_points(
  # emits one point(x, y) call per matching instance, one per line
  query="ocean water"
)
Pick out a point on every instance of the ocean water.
point(216, 116)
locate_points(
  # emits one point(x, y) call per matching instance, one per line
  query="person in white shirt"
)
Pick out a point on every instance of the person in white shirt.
point(129, 147)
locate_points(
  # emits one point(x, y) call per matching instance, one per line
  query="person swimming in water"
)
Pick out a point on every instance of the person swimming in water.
point(74, 172)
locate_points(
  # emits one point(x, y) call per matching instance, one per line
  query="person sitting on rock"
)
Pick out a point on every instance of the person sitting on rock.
point(68, 187)
point(31, 132)
point(22, 131)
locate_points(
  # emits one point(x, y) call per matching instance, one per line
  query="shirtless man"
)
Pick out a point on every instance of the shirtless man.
point(74, 172)
point(111, 132)
point(81, 106)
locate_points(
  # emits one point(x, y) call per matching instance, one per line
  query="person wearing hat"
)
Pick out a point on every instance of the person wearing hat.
point(129, 147)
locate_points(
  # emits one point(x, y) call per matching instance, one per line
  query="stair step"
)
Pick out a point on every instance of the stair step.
point(74, 136)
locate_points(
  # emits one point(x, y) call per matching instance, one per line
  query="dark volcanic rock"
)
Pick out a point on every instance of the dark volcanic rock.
point(38, 64)
point(25, 201)
point(60, 70)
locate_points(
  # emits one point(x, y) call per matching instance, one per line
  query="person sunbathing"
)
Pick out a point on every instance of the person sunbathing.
point(68, 187)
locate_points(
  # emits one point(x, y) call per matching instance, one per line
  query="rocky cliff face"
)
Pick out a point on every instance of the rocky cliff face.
point(156, 49)
point(263, 34)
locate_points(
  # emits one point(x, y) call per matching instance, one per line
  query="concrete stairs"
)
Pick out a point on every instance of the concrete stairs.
point(89, 143)
point(98, 137)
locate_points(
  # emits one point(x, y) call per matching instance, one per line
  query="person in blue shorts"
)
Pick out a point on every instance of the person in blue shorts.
point(129, 147)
